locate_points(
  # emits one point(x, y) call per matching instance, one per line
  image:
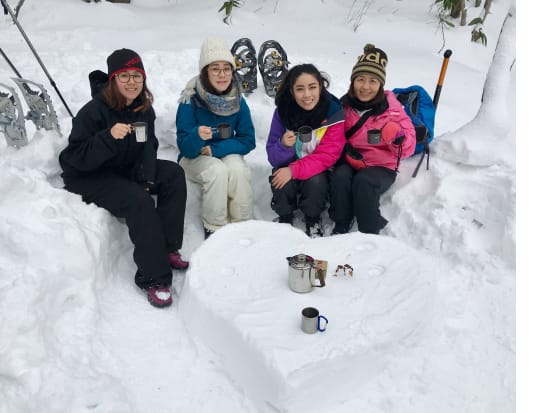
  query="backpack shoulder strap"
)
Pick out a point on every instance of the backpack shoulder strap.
point(349, 133)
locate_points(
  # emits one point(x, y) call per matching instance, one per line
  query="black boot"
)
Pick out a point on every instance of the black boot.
point(286, 219)
point(207, 233)
point(314, 227)
point(341, 228)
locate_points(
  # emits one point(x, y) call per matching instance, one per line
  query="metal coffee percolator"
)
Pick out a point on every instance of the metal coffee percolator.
point(302, 274)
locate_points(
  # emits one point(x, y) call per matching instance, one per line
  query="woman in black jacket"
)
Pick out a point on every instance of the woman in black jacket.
point(112, 161)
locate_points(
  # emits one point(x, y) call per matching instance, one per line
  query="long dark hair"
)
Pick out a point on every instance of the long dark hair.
point(292, 115)
point(284, 93)
point(116, 101)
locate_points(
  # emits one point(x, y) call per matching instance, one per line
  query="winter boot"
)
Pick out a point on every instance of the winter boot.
point(159, 296)
point(286, 219)
point(207, 233)
point(314, 227)
point(176, 262)
point(341, 228)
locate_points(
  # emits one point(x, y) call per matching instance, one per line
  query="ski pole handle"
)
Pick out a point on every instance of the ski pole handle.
point(442, 73)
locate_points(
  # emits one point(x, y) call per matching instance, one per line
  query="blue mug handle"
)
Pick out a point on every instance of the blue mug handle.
point(319, 323)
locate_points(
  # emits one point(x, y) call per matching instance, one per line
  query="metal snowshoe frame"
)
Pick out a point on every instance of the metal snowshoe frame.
point(244, 54)
point(12, 121)
point(41, 111)
point(273, 64)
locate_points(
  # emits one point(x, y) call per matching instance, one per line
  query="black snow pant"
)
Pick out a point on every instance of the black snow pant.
point(309, 195)
point(357, 193)
point(154, 230)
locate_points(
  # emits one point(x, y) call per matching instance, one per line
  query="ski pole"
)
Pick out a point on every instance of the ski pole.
point(10, 64)
point(435, 101)
point(14, 18)
point(444, 65)
point(14, 69)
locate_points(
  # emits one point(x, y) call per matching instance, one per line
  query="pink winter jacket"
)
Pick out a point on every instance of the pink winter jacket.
point(318, 155)
point(382, 154)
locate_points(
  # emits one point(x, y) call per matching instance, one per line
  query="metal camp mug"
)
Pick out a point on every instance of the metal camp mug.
point(140, 129)
point(311, 320)
point(373, 136)
point(304, 133)
point(223, 130)
point(302, 274)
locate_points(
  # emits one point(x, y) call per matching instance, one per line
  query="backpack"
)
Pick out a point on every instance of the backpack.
point(420, 107)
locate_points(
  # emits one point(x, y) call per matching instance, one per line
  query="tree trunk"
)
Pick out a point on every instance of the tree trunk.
point(457, 8)
point(463, 17)
point(487, 8)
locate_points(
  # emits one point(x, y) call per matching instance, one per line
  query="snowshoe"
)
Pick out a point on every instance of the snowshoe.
point(41, 110)
point(273, 64)
point(12, 121)
point(245, 59)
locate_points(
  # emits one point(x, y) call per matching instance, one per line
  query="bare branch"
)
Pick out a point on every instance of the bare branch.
point(18, 7)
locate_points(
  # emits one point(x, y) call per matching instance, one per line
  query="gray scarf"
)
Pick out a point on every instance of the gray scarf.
point(221, 105)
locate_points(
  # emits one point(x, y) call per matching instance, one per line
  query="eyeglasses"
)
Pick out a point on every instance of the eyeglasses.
point(219, 70)
point(124, 77)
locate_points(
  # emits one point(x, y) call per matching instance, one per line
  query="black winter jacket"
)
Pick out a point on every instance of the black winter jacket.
point(92, 149)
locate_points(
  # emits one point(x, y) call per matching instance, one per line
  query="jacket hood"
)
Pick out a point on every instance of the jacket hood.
point(98, 80)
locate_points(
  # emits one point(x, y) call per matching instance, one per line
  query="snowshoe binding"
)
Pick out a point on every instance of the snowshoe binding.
point(273, 64)
point(12, 121)
point(41, 110)
point(245, 59)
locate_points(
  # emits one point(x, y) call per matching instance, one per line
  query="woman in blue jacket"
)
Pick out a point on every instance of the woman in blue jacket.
point(211, 156)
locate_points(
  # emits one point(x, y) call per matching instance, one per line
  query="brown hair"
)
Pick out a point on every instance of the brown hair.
point(205, 82)
point(116, 101)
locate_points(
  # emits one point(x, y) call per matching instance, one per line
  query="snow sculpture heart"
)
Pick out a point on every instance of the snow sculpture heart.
point(245, 311)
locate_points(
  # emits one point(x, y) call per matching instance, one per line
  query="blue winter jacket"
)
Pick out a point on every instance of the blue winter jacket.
point(191, 115)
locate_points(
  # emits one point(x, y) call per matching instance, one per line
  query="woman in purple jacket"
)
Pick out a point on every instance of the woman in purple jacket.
point(301, 160)
point(357, 184)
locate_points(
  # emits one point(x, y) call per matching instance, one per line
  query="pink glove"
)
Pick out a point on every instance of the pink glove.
point(390, 132)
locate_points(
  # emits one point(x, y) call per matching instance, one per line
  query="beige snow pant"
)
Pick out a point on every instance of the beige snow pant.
point(226, 188)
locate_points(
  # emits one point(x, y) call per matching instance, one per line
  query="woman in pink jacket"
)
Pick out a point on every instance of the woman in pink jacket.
point(369, 166)
point(301, 158)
